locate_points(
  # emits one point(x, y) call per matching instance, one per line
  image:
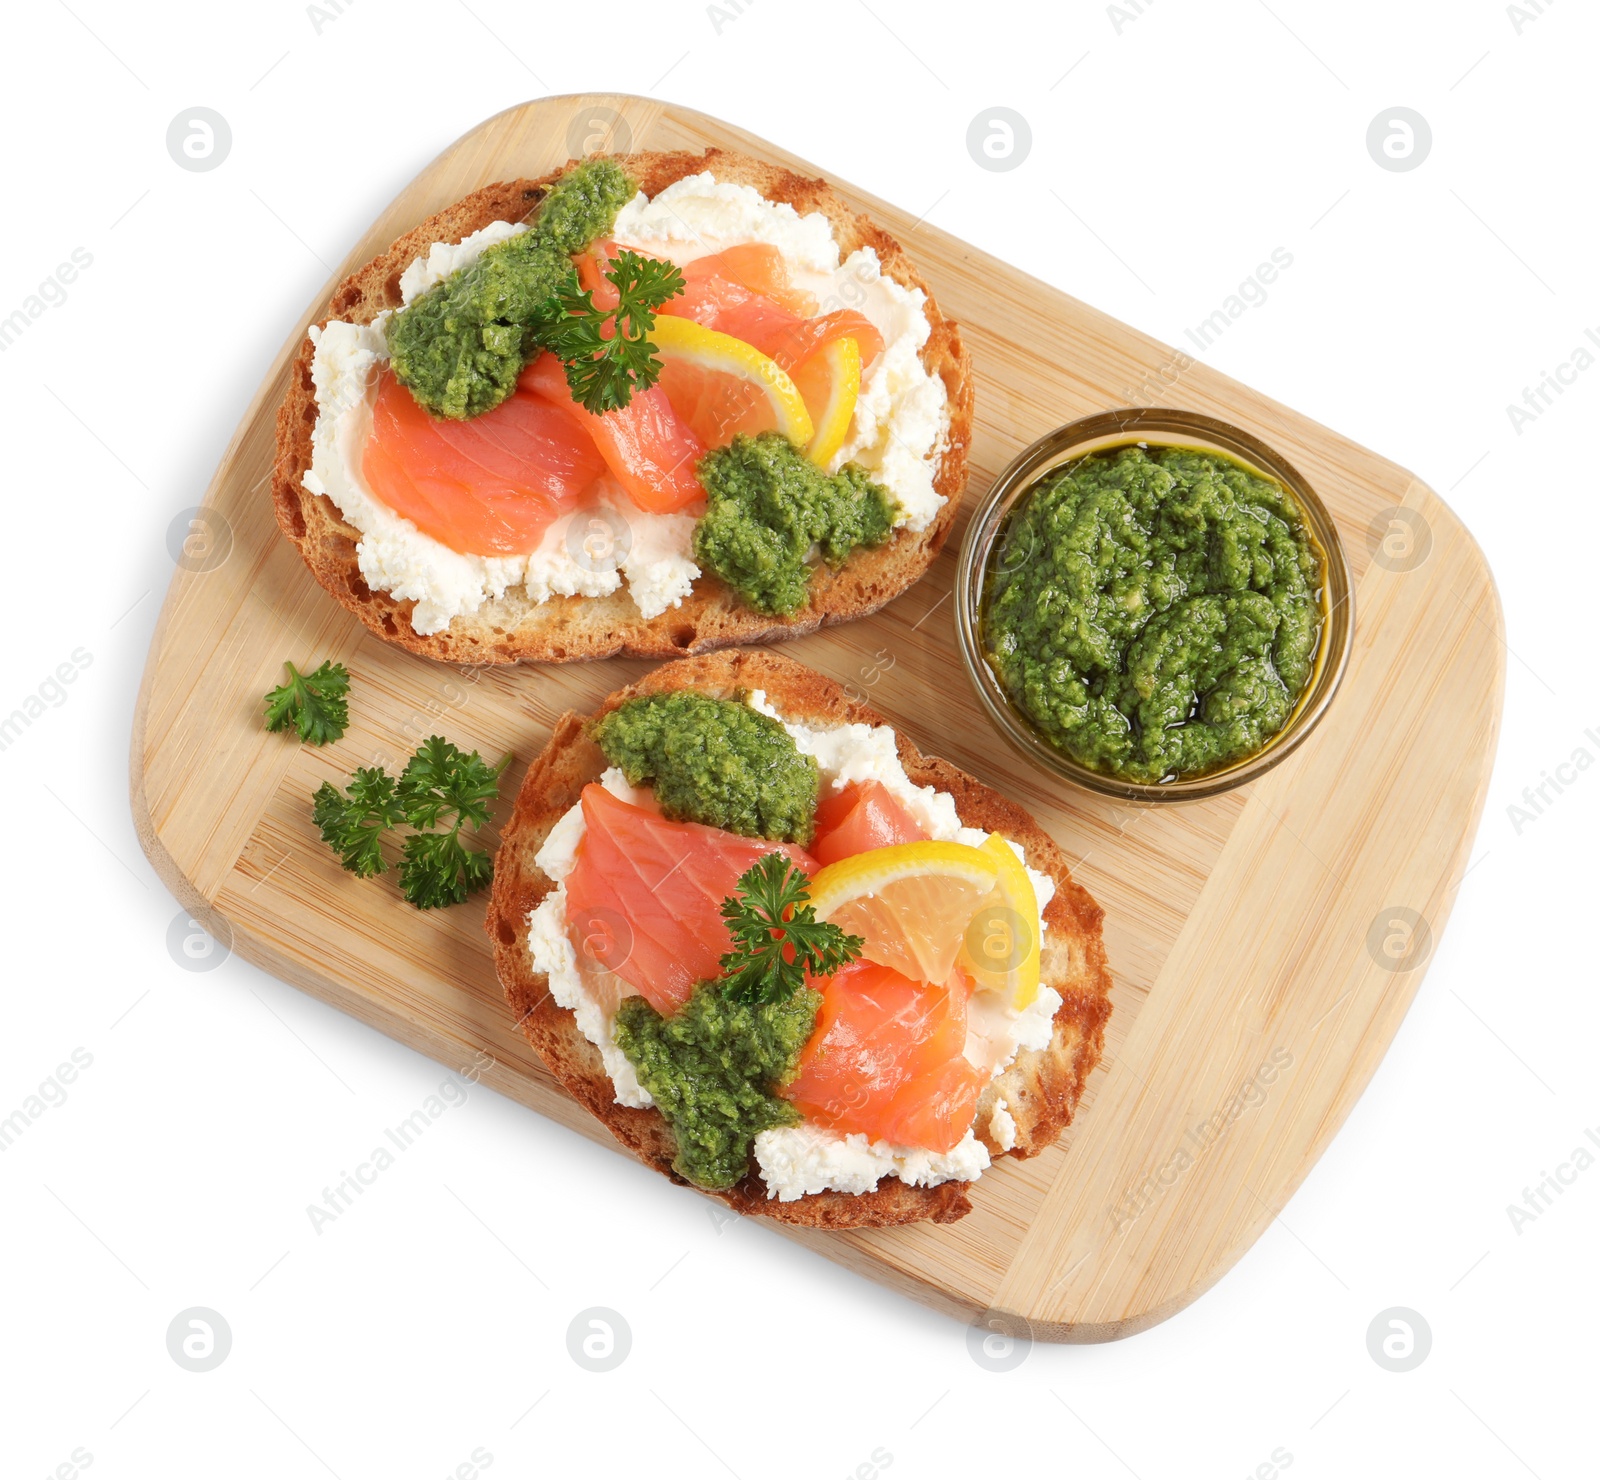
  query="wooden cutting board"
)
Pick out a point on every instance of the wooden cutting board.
point(1265, 944)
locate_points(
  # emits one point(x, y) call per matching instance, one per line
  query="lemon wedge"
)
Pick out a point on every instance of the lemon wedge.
point(722, 386)
point(1000, 945)
point(911, 902)
point(830, 381)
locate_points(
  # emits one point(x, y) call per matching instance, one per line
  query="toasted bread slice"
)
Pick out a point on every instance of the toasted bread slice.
point(1041, 1088)
point(514, 628)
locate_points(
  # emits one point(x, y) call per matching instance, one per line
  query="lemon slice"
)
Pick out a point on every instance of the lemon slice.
point(722, 386)
point(911, 903)
point(1000, 946)
point(830, 381)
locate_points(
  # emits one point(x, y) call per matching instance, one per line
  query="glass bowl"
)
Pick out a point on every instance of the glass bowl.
point(1163, 428)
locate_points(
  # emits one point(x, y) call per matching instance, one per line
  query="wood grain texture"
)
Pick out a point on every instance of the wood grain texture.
point(1239, 928)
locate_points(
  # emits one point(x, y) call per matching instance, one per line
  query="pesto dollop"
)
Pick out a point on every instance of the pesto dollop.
point(1155, 613)
point(768, 505)
point(714, 761)
point(459, 347)
point(712, 1067)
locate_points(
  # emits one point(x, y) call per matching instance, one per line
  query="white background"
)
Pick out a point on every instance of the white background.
point(1187, 143)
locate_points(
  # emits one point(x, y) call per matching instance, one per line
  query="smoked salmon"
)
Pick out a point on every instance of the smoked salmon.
point(653, 890)
point(757, 267)
point(885, 1059)
point(711, 284)
point(792, 344)
point(780, 334)
point(864, 815)
point(646, 444)
point(492, 485)
point(488, 486)
point(745, 291)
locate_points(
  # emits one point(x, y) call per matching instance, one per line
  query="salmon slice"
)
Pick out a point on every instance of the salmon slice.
point(865, 814)
point(646, 444)
point(723, 305)
point(778, 332)
point(729, 276)
point(745, 291)
point(752, 281)
point(791, 345)
point(712, 296)
point(934, 1110)
point(592, 267)
point(651, 891)
point(885, 1059)
point(488, 486)
point(758, 267)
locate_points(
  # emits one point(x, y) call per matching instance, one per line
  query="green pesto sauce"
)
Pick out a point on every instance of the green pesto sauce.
point(460, 347)
point(1154, 613)
point(768, 505)
point(715, 761)
point(711, 1068)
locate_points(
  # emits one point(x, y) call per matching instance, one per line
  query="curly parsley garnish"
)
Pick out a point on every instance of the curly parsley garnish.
point(777, 936)
point(607, 353)
point(314, 703)
point(441, 784)
point(354, 825)
point(437, 869)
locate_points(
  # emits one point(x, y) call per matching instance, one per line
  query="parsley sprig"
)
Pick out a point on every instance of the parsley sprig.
point(354, 825)
point(437, 868)
point(441, 791)
point(314, 703)
point(607, 353)
point(777, 936)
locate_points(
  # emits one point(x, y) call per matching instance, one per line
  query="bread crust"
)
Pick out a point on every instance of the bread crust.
point(512, 628)
point(1041, 1088)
